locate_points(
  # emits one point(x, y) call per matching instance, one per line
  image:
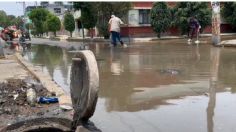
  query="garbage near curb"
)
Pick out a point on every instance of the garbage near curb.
point(47, 100)
point(19, 97)
point(31, 96)
point(66, 107)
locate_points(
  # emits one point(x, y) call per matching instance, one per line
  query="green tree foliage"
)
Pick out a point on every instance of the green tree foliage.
point(229, 12)
point(11, 19)
point(3, 19)
point(88, 14)
point(69, 23)
point(53, 23)
point(19, 22)
point(38, 17)
point(184, 10)
point(29, 26)
point(160, 17)
point(45, 27)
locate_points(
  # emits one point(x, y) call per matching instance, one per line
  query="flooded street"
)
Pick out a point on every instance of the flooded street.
point(165, 86)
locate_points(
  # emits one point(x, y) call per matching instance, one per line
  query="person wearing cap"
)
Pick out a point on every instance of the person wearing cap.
point(114, 25)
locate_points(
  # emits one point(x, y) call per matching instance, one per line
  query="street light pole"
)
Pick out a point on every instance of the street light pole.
point(24, 14)
point(215, 23)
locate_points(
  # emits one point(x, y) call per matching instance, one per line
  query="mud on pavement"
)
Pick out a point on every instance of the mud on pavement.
point(14, 106)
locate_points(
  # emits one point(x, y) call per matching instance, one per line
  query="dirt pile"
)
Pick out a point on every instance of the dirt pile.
point(13, 97)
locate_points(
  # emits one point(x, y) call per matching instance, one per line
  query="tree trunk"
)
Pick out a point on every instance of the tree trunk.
point(91, 30)
point(70, 34)
point(55, 34)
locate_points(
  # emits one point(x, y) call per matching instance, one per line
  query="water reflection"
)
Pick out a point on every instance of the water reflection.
point(215, 61)
point(116, 66)
point(54, 60)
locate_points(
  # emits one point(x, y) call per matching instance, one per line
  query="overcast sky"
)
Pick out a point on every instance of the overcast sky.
point(14, 8)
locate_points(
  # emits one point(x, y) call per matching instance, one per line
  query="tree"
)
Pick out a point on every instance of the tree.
point(45, 27)
point(69, 23)
point(229, 12)
point(88, 17)
point(28, 26)
point(19, 22)
point(53, 23)
point(3, 20)
point(11, 19)
point(184, 10)
point(160, 17)
point(38, 17)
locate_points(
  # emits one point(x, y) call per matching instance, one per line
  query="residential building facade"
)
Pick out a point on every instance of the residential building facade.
point(139, 22)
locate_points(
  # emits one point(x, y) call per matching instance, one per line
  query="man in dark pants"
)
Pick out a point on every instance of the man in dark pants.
point(194, 27)
point(114, 24)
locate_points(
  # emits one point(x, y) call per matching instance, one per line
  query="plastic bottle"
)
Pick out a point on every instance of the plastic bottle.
point(47, 100)
point(31, 96)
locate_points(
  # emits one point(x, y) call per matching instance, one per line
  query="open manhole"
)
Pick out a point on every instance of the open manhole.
point(49, 124)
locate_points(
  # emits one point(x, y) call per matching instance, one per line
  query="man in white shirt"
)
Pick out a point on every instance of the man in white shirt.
point(114, 24)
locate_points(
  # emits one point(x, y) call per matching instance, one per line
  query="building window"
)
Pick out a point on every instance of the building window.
point(144, 16)
point(57, 10)
point(58, 3)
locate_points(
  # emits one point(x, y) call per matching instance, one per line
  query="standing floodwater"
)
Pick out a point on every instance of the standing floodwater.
point(166, 86)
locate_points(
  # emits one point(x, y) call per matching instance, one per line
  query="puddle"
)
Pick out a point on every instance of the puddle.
point(137, 83)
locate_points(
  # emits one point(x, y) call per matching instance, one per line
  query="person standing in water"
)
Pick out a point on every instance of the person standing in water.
point(114, 28)
point(194, 28)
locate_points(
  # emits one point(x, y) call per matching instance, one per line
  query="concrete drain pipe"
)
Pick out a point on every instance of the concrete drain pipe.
point(84, 94)
point(84, 86)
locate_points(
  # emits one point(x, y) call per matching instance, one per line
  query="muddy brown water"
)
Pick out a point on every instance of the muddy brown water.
point(165, 86)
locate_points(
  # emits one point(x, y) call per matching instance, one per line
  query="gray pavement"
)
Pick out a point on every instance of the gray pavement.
point(10, 68)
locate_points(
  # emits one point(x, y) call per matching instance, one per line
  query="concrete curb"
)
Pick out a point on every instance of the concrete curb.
point(46, 80)
point(228, 43)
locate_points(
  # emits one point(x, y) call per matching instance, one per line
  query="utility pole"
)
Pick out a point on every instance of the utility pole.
point(215, 23)
point(24, 18)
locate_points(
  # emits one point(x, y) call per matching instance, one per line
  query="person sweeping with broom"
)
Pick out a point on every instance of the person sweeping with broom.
point(194, 29)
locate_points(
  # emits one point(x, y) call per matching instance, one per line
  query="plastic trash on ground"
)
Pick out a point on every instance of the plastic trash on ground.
point(47, 100)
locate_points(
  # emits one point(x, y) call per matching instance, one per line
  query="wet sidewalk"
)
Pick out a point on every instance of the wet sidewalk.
point(10, 68)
